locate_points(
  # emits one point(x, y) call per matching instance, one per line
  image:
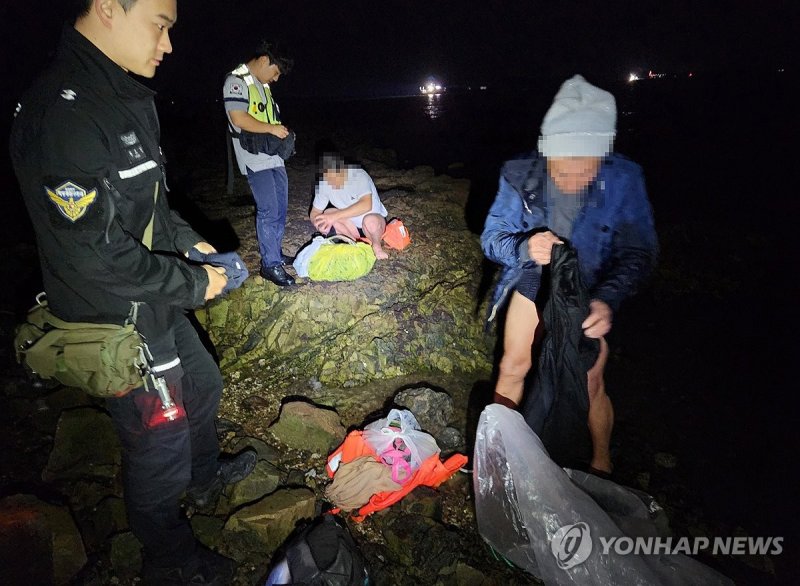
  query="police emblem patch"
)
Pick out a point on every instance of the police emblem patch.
point(236, 89)
point(129, 138)
point(72, 200)
point(132, 147)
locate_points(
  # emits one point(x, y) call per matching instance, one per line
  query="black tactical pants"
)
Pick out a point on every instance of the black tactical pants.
point(161, 458)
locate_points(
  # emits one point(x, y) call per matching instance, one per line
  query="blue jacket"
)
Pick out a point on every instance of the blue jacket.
point(614, 233)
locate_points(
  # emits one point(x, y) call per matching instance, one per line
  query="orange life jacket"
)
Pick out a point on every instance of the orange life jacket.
point(432, 472)
point(396, 235)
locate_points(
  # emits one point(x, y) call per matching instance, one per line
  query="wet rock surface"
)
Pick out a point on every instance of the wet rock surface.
point(414, 311)
point(432, 409)
point(39, 542)
point(304, 426)
point(85, 446)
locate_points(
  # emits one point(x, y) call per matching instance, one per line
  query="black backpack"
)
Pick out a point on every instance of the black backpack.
point(324, 554)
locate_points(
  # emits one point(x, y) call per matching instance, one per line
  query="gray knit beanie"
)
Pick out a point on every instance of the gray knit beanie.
point(581, 122)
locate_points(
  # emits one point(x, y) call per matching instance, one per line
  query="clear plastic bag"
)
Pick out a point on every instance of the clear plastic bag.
point(303, 257)
point(552, 522)
point(383, 436)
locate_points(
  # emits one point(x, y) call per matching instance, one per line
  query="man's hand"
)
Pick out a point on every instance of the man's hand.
point(278, 130)
point(324, 221)
point(598, 323)
point(322, 224)
point(204, 248)
point(216, 281)
point(540, 245)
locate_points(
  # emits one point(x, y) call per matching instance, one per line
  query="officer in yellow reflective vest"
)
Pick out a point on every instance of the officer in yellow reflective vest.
point(250, 106)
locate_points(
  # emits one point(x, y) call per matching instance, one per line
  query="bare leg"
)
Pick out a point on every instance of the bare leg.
point(601, 413)
point(374, 226)
point(521, 321)
point(347, 228)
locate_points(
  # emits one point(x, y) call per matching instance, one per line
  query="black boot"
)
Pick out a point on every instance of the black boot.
point(230, 471)
point(277, 275)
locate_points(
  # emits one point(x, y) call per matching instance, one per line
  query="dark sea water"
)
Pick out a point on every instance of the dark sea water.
point(690, 135)
point(706, 359)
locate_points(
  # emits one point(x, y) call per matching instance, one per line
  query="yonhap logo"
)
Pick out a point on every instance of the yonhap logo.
point(571, 545)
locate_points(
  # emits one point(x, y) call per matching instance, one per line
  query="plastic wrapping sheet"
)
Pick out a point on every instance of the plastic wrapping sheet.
point(551, 522)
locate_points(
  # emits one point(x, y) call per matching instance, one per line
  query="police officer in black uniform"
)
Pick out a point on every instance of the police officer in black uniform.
point(85, 148)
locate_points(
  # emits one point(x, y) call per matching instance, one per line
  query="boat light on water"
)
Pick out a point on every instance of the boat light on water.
point(431, 87)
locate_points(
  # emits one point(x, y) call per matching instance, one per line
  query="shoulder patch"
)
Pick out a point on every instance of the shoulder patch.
point(72, 200)
point(236, 88)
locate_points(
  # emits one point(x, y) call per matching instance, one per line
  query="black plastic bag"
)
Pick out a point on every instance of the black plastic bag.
point(556, 404)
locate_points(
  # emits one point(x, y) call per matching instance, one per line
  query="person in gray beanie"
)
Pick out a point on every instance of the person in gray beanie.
point(574, 189)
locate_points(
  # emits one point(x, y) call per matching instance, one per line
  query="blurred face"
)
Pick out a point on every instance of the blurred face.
point(265, 71)
point(335, 179)
point(573, 175)
point(141, 36)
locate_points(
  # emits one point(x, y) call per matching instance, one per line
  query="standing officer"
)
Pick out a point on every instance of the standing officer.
point(250, 107)
point(85, 148)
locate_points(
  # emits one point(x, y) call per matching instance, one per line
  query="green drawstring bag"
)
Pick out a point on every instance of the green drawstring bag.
point(341, 259)
point(105, 360)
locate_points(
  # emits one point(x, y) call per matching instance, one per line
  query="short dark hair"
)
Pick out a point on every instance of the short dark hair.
point(83, 7)
point(331, 162)
point(276, 56)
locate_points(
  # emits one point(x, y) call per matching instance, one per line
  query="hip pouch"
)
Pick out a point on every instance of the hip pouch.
point(105, 360)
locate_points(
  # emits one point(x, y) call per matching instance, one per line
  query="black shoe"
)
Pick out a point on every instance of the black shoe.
point(236, 468)
point(277, 275)
point(230, 471)
point(286, 259)
point(204, 566)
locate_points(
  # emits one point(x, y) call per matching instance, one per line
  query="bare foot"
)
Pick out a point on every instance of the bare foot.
point(379, 253)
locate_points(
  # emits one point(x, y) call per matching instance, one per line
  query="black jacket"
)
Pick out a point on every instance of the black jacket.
point(85, 148)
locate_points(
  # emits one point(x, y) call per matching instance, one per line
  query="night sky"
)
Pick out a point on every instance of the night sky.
point(388, 47)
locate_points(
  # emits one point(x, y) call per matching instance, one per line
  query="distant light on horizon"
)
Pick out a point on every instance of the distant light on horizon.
point(432, 87)
point(633, 77)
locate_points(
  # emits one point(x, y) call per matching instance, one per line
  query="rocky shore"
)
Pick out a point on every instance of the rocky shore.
point(302, 366)
point(305, 365)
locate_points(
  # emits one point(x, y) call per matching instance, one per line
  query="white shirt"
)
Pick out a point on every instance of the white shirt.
point(357, 185)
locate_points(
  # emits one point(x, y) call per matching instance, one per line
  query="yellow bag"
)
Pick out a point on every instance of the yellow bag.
point(347, 261)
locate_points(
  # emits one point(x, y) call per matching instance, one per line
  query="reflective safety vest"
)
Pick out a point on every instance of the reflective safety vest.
point(263, 111)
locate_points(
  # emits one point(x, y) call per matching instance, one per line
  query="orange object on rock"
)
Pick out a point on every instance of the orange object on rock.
point(396, 235)
point(432, 472)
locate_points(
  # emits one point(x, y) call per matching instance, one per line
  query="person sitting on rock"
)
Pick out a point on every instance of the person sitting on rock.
point(356, 210)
